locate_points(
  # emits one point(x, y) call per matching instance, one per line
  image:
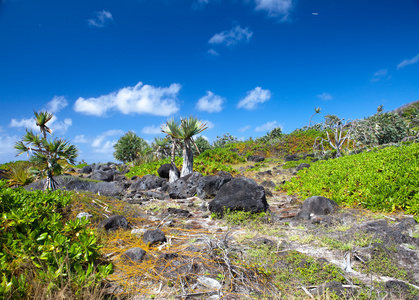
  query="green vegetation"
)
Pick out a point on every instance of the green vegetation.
point(293, 164)
point(46, 155)
point(41, 249)
point(381, 180)
point(130, 147)
point(184, 132)
point(208, 163)
point(17, 173)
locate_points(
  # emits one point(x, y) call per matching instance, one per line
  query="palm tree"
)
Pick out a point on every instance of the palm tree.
point(184, 132)
point(161, 147)
point(172, 130)
point(46, 153)
point(317, 110)
point(41, 119)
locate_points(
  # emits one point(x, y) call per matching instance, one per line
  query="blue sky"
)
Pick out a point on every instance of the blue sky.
point(243, 66)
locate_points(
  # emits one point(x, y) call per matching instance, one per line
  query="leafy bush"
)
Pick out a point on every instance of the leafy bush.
point(18, 175)
point(272, 136)
point(225, 139)
point(151, 168)
point(380, 180)
point(203, 145)
point(293, 164)
point(221, 155)
point(208, 163)
point(37, 244)
point(130, 147)
point(381, 128)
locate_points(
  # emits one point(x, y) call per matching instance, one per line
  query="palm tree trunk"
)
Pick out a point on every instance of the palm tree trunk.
point(173, 175)
point(187, 167)
point(50, 183)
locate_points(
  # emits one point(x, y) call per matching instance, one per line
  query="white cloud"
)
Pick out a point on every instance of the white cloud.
point(210, 103)
point(268, 126)
point(24, 123)
point(101, 143)
point(254, 97)
point(325, 96)
point(208, 123)
point(407, 62)
point(140, 99)
point(232, 36)
point(81, 139)
point(54, 124)
point(275, 7)
point(102, 18)
point(61, 127)
point(7, 150)
point(213, 52)
point(380, 74)
point(56, 104)
point(245, 128)
point(151, 130)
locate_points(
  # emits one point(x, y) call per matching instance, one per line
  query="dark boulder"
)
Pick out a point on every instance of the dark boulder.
point(302, 166)
point(67, 182)
point(135, 254)
point(224, 174)
point(184, 187)
point(268, 184)
point(255, 158)
point(86, 169)
point(240, 194)
point(179, 212)
point(165, 169)
point(209, 186)
point(316, 206)
point(114, 223)
point(147, 182)
point(153, 236)
point(102, 175)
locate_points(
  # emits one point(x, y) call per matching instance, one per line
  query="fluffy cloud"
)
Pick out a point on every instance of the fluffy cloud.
point(210, 103)
point(101, 143)
point(102, 18)
point(380, 74)
point(232, 36)
point(243, 129)
point(56, 104)
point(151, 130)
point(29, 124)
point(254, 97)
point(208, 124)
point(81, 139)
point(275, 7)
point(325, 96)
point(268, 126)
point(407, 62)
point(213, 52)
point(140, 99)
point(7, 151)
point(54, 124)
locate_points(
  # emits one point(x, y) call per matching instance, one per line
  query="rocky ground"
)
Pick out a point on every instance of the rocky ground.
point(165, 248)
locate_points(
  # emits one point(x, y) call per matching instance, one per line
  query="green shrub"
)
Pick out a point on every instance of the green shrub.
point(293, 164)
point(208, 163)
point(37, 244)
point(380, 180)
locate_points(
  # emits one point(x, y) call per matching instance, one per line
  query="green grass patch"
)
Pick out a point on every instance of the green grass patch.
point(208, 163)
point(382, 180)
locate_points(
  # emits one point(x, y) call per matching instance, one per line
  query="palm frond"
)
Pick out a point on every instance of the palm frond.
point(171, 128)
point(190, 127)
